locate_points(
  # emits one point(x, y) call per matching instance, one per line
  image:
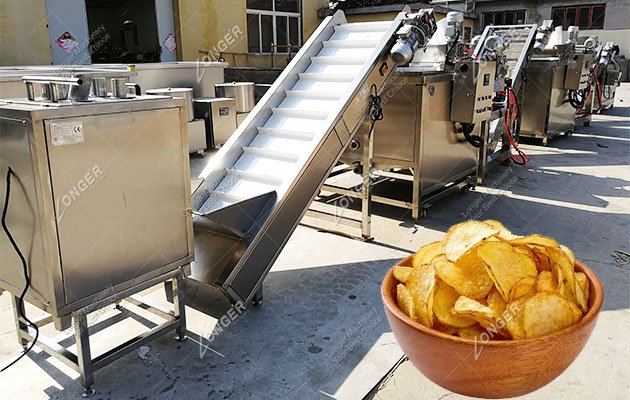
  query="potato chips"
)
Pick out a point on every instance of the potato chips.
point(483, 279)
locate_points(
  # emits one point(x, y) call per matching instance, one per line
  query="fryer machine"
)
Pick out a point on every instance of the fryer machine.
point(603, 79)
point(99, 206)
point(553, 76)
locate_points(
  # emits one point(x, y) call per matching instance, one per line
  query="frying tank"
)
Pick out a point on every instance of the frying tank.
point(416, 134)
point(546, 111)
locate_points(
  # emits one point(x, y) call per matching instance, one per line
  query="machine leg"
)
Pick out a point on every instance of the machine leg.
point(416, 210)
point(21, 326)
point(179, 307)
point(258, 298)
point(84, 355)
point(482, 162)
point(366, 199)
point(169, 290)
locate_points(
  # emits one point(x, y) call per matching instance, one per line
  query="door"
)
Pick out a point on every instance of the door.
point(166, 30)
point(120, 197)
point(68, 28)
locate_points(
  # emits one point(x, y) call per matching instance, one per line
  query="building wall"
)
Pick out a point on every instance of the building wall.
point(24, 38)
point(616, 20)
point(389, 16)
point(203, 27)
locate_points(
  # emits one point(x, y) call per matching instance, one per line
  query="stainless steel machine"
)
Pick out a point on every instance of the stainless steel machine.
point(440, 128)
point(553, 75)
point(510, 47)
point(219, 116)
point(97, 201)
point(608, 73)
point(604, 76)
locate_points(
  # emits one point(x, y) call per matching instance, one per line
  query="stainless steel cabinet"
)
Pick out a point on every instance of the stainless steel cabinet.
point(101, 198)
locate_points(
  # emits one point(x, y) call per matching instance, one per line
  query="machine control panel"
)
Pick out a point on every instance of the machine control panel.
point(473, 90)
point(577, 72)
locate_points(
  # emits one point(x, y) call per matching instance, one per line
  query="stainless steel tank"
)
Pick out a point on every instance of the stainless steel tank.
point(243, 92)
point(185, 93)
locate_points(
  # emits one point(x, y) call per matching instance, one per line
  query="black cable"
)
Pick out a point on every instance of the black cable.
point(449, 51)
point(375, 108)
point(474, 140)
point(27, 279)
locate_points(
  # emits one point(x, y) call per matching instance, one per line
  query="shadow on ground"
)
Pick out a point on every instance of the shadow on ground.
point(314, 326)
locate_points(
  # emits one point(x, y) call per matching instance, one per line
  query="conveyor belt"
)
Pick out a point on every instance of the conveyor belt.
point(263, 179)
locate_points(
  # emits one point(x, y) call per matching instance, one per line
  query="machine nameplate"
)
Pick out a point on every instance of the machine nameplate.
point(65, 133)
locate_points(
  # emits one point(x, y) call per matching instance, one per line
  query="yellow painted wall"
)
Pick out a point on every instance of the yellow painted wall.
point(24, 38)
point(203, 25)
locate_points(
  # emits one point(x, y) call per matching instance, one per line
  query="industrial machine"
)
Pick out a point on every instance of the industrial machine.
point(554, 75)
point(604, 76)
point(219, 117)
point(608, 73)
point(197, 138)
point(243, 92)
point(261, 182)
point(511, 48)
point(439, 129)
point(96, 207)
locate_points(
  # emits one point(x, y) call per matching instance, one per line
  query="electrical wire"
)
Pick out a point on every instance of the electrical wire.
point(599, 89)
point(449, 51)
point(473, 140)
point(522, 158)
point(471, 53)
point(375, 108)
point(27, 279)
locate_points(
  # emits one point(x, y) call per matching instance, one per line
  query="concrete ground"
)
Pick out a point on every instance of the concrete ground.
point(321, 332)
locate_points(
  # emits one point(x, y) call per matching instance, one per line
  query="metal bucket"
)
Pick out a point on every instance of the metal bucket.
point(186, 93)
point(243, 92)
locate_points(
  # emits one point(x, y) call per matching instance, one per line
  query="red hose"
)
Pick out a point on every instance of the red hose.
point(599, 89)
point(511, 101)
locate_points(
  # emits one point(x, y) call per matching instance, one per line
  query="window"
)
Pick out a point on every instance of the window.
point(584, 16)
point(516, 17)
point(467, 34)
point(273, 26)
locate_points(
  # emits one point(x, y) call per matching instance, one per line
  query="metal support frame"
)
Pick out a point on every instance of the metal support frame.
point(83, 362)
point(418, 205)
point(366, 188)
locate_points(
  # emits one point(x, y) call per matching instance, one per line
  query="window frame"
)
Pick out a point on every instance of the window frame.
point(503, 13)
point(578, 8)
point(274, 14)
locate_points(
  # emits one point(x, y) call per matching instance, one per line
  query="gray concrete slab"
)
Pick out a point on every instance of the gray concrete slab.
point(321, 332)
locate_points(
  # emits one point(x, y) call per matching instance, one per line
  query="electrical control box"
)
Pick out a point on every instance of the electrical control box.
point(577, 72)
point(473, 90)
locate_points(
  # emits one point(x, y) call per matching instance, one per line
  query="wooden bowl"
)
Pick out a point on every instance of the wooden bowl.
point(493, 368)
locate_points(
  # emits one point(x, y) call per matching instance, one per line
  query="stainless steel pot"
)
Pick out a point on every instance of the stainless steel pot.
point(186, 93)
point(243, 92)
